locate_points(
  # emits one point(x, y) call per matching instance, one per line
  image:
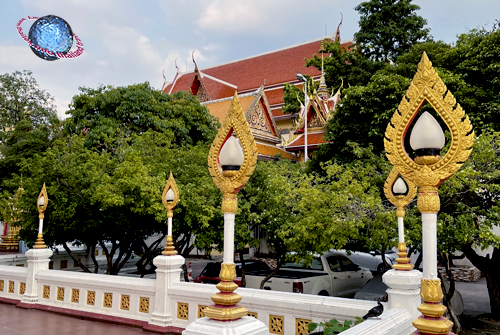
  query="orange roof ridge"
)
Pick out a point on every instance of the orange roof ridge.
point(217, 79)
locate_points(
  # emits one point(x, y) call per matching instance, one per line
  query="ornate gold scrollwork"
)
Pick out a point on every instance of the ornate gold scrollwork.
point(169, 205)
point(231, 183)
point(40, 244)
point(41, 209)
point(399, 201)
point(429, 171)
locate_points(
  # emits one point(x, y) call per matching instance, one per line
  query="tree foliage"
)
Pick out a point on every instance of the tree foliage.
point(22, 99)
point(389, 28)
point(99, 113)
point(106, 175)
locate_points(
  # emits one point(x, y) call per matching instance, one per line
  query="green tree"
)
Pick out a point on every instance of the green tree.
point(389, 28)
point(23, 142)
point(105, 177)
point(469, 212)
point(99, 113)
point(21, 98)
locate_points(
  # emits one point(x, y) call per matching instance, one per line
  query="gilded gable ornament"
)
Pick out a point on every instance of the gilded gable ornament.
point(258, 119)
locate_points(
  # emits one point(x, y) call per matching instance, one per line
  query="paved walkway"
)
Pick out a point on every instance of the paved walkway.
point(17, 321)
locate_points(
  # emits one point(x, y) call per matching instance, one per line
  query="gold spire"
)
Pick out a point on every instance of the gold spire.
point(323, 89)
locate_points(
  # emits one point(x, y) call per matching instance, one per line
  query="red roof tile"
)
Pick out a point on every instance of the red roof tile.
point(275, 67)
point(274, 96)
point(216, 89)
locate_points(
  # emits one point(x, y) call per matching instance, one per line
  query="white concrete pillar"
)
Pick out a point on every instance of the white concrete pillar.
point(229, 237)
point(404, 290)
point(168, 271)
point(38, 260)
point(429, 245)
point(401, 230)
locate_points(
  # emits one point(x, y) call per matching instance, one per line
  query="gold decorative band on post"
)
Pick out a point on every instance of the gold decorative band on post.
point(403, 262)
point(430, 290)
point(169, 247)
point(225, 301)
point(41, 215)
point(400, 212)
point(40, 244)
point(428, 199)
point(170, 213)
point(432, 321)
point(229, 203)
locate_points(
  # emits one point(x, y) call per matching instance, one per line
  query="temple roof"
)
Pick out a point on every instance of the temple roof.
point(275, 67)
point(313, 140)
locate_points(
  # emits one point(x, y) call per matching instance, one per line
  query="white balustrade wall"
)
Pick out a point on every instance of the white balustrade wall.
point(12, 282)
point(128, 298)
point(118, 296)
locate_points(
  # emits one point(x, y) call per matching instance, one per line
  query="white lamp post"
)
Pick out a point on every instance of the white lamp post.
point(300, 77)
point(400, 189)
point(428, 170)
point(400, 193)
point(231, 162)
point(170, 197)
point(41, 203)
point(230, 158)
point(427, 139)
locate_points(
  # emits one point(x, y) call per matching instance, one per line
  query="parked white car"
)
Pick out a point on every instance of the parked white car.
point(330, 274)
point(371, 260)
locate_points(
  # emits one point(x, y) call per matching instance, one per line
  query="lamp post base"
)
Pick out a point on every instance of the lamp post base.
point(246, 325)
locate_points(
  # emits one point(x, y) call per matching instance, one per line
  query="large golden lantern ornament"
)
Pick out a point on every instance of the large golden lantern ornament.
point(170, 197)
point(231, 161)
point(400, 193)
point(428, 170)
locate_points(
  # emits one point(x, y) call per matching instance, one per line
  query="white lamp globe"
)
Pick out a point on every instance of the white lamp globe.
point(170, 196)
point(41, 201)
point(427, 137)
point(231, 154)
point(399, 187)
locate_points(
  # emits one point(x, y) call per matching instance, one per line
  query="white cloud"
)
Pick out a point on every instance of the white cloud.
point(233, 16)
point(211, 47)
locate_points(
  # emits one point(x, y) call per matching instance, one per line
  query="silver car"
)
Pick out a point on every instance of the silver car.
point(370, 260)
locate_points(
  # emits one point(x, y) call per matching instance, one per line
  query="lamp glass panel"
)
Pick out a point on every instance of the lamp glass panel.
point(231, 152)
point(427, 133)
point(41, 201)
point(170, 196)
point(399, 186)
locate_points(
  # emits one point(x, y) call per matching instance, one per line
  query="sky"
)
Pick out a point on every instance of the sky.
point(127, 42)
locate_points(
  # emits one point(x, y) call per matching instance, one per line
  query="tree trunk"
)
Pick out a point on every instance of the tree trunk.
point(149, 252)
point(94, 260)
point(185, 271)
point(242, 261)
point(419, 260)
point(279, 261)
point(72, 255)
point(448, 294)
point(386, 265)
point(491, 271)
